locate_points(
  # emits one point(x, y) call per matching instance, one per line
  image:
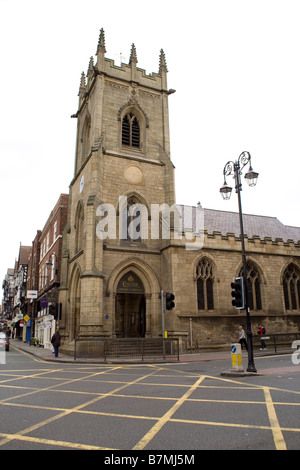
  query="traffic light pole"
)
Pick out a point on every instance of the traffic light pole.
point(238, 187)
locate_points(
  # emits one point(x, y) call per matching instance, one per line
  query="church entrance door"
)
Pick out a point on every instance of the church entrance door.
point(130, 307)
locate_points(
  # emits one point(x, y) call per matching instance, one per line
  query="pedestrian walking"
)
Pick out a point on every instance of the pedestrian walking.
point(55, 340)
point(262, 331)
point(242, 339)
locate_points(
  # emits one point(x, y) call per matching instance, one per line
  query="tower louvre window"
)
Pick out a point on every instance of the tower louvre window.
point(125, 131)
point(135, 135)
point(130, 131)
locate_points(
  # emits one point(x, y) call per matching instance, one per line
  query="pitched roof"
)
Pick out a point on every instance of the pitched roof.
point(24, 254)
point(254, 225)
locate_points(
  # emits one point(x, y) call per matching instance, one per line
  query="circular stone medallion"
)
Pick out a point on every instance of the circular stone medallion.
point(133, 174)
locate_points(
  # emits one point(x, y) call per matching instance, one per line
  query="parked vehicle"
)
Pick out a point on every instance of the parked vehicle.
point(4, 340)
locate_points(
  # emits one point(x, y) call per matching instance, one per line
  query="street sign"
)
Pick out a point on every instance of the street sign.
point(44, 303)
point(26, 318)
point(52, 296)
point(32, 294)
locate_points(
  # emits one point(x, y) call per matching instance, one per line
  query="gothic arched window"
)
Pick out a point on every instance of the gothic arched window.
point(205, 285)
point(291, 288)
point(254, 286)
point(85, 138)
point(134, 221)
point(130, 131)
point(79, 221)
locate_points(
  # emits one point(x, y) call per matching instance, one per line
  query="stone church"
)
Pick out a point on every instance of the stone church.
point(120, 252)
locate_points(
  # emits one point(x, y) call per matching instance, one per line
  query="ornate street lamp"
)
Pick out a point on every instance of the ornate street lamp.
point(235, 169)
point(251, 177)
point(225, 191)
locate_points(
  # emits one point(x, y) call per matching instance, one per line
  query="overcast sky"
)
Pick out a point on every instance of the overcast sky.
point(233, 63)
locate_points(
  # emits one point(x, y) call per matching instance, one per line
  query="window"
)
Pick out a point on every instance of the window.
point(253, 285)
point(130, 131)
point(131, 222)
point(79, 222)
point(42, 278)
point(85, 138)
point(205, 285)
point(291, 288)
point(52, 266)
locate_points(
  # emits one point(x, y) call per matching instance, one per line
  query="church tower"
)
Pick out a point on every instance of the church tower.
point(111, 277)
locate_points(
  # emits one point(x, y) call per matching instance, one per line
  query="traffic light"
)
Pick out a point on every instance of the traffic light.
point(238, 293)
point(169, 301)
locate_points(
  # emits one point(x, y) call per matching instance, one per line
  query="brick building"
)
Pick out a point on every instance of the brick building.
point(48, 259)
point(32, 286)
point(111, 282)
point(8, 294)
point(20, 281)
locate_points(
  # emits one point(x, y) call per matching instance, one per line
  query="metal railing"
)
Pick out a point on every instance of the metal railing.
point(277, 340)
point(139, 349)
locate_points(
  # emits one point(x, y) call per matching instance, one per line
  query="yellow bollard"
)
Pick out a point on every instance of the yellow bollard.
point(236, 357)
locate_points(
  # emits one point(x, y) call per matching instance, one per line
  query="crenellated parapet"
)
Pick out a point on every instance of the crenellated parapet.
point(231, 242)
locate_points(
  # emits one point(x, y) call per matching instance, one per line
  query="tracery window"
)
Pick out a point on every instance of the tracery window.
point(291, 287)
point(134, 220)
point(130, 131)
point(254, 286)
point(205, 285)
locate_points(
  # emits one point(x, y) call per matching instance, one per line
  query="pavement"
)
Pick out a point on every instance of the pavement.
point(204, 355)
point(47, 355)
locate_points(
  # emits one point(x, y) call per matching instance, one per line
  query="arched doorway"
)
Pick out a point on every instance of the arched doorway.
point(130, 308)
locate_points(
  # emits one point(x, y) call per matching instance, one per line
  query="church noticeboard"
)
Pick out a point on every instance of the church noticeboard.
point(130, 284)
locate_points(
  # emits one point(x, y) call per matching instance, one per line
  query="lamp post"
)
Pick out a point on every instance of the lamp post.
point(235, 169)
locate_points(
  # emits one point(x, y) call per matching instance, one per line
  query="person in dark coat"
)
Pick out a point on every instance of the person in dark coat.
point(55, 340)
point(262, 331)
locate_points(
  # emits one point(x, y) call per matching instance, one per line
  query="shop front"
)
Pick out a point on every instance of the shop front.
point(44, 329)
point(45, 323)
point(17, 326)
